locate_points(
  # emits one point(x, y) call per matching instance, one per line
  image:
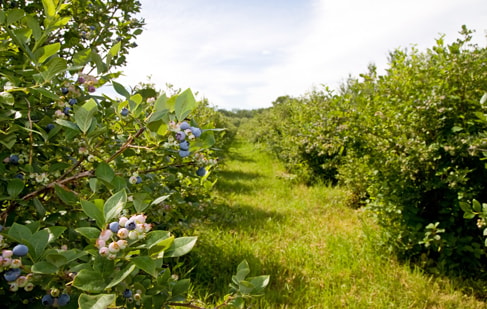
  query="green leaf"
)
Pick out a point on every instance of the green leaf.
point(54, 66)
point(55, 232)
point(49, 8)
point(259, 283)
point(243, 270)
point(92, 211)
point(20, 233)
point(146, 264)
point(39, 241)
point(15, 187)
point(67, 124)
point(121, 275)
point(181, 246)
point(104, 172)
point(160, 199)
point(46, 51)
point(67, 197)
point(84, 115)
point(476, 206)
point(114, 205)
point(185, 104)
point(7, 98)
point(82, 57)
point(157, 250)
point(57, 260)
point(161, 103)
point(89, 281)
point(140, 203)
point(181, 288)
point(33, 24)
point(120, 89)
point(113, 52)
point(88, 232)
point(46, 93)
point(14, 15)
point(101, 301)
point(44, 267)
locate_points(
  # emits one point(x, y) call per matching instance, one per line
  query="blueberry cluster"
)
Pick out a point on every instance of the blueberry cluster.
point(71, 92)
point(184, 134)
point(118, 235)
point(131, 297)
point(11, 264)
point(55, 299)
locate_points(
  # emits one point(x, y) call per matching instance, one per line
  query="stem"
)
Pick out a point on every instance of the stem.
point(31, 147)
point(126, 145)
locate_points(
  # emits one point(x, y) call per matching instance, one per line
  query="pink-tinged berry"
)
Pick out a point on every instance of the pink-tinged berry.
point(123, 233)
point(106, 235)
point(139, 218)
point(122, 221)
point(100, 243)
point(7, 253)
point(104, 251)
point(16, 263)
point(22, 281)
point(6, 262)
point(91, 89)
point(122, 243)
point(113, 247)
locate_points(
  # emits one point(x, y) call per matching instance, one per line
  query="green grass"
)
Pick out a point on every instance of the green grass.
point(318, 252)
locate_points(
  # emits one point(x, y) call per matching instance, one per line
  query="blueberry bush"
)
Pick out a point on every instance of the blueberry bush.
point(87, 180)
point(409, 144)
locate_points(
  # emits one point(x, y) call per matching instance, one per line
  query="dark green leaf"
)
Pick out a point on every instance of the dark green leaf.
point(181, 246)
point(114, 205)
point(44, 267)
point(104, 172)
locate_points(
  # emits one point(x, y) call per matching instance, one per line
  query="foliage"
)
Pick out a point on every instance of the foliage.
point(408, 143)
point(87, 180)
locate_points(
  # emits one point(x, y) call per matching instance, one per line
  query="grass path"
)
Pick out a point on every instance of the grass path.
point(319, 253)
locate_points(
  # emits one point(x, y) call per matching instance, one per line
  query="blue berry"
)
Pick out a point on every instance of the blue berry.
point(124, 111)
point(130, 225)
point(92, 28)
point(138, 179)
point(64, 90)
point(201, 172)
point(127, 293)
point(63, 300)
point(66, 110)
point(184, 145)
point(180, 136)
point(12, 274)
point(196, 131)
point(14, 159)
point(50, 126)
point(72, 101)
point(183, 153)
point(20, 250)
point(184, 125)
point(47, 300)
point(114, 227)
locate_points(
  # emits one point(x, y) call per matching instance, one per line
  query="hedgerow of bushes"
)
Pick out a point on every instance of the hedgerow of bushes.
point(408, 144)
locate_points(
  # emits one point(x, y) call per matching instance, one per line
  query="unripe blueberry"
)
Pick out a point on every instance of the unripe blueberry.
point(123, 233)
point(184, 145)
point(72, 101)
point(55, 292)
point(184, 125)
point(124, 111)
point(47, 300)
point(196, 131)
point(127, 293)
point(29, 287)
point(12, 274)
point(114, 227)
point(20, 250)
point(201, 172)
point(63, 300)
point(64, 90)
point(14, 159)
point(183, 153)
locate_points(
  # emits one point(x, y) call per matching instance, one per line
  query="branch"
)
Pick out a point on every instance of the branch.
point(126, 145)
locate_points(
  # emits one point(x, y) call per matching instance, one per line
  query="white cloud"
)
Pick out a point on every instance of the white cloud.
point(244, 54)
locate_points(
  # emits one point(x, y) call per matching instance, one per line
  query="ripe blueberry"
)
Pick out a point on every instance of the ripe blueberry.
point(114, 226)
point(201, 172)
point(64, 90)
point(12, 274)
point(50, 126)
point(14, 159)
point(130, 225)
point(184, 125)
point(47, 300)
point(180, 136)
point(72, 101)
point(63, 300)
point(127, 293)
point(124, 111)
point(20, 250)
point(183, 153)
point(184, 145)
point(66, 110)
point(196, 131)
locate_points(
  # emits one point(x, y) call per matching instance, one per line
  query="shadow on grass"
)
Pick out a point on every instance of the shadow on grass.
point(236, 182)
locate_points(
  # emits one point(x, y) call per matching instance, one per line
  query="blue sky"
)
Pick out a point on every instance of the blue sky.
point(245, 54)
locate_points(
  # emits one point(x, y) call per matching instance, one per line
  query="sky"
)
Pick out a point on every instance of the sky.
point(245, 54)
